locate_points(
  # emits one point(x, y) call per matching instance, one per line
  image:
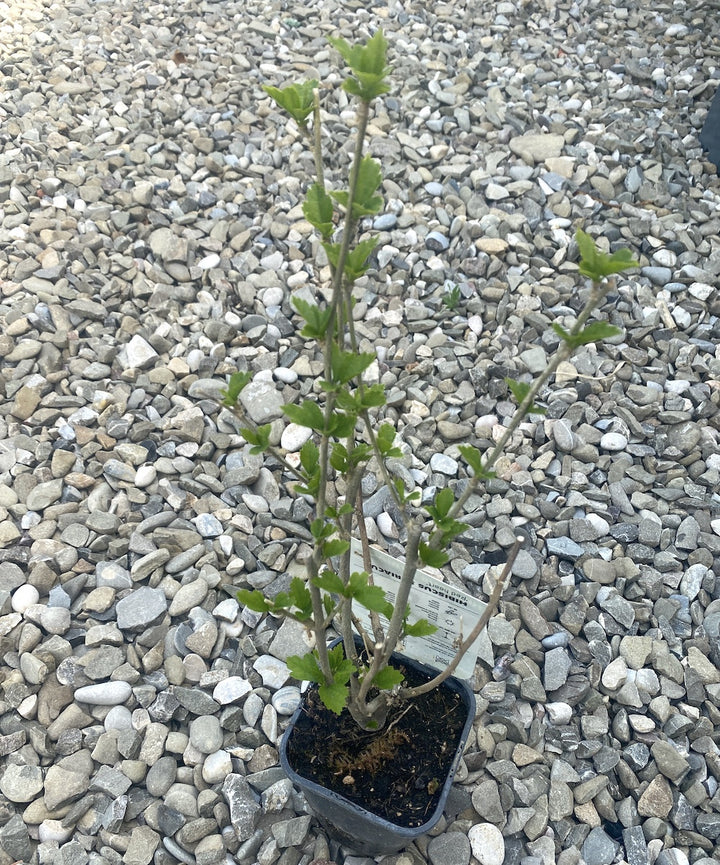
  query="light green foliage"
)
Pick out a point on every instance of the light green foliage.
point(597, 265)
point(365, 200)
point(346, 437)
point(367, 64)
point(520, 389)
point(297, 99)
point(452, 296)
point(318, 210)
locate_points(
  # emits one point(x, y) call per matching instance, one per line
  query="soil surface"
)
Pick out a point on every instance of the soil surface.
point(398, 772)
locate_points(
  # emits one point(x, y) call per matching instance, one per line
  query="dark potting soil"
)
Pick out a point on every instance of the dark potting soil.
point(396, 773)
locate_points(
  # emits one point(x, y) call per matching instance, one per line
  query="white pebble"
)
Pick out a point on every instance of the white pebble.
point(294, 437)
point(217, 767)
point(104, 694)
point(559, 713)
point(144, 476)
point(488, 845)
point(53, 830)
point(613, 442)
point(386, 525)
point(24, 597)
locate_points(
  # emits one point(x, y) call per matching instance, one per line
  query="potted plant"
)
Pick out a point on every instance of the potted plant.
point(353, 724)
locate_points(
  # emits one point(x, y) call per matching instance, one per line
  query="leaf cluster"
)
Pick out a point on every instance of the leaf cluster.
point(298, 99)
point(368, 65)
point(597, 265)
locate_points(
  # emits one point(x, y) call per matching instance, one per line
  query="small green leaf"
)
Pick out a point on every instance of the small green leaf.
point(347, 365)
point(309, 457)
point(321, 529)
point(434, 558)
point(563, 334)
point(371, 597)
point(308, 414)
point(332, 250)
point(259, 438)
point(238, 380)
point(334, 696)
point(366, 202)
point(317, 320)
point(318, 209)
point(297, 99)
point(340, 666)
point(329, 605)
point(520, 390)
point(305, 668)
point(253, 600)
point(355, 262)
point(299, 595)
point(387, 678)
point(386, 441)
point(444, 500)
point(367, 63)
point(342, 425)
point(335, 547)
point(372, 397)
point(596, 264)
point(329, 581)
point(421, 628)
point(595, 331)
point(473, 458)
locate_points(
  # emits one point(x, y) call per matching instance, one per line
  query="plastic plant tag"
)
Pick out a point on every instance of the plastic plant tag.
point(452, 611)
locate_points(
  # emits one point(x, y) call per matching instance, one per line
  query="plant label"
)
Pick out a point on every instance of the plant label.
point(453, 612)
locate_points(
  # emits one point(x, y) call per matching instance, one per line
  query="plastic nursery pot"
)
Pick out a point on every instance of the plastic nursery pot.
point(356, 828)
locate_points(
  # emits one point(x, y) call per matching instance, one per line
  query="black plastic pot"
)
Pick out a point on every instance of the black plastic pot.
point(356, 828)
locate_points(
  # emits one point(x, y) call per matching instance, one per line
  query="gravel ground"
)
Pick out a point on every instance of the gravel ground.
point(150, 239)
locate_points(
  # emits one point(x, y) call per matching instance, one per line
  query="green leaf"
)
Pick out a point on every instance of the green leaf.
point(305, 668)
point(308, 414)
point(254, 600)
point(340, 666)
point(593, 332)
point(259, 438)
point(309, 457)
point(329, 605)
point(334, 696)
point(597, 330)
point(297, 99)
point(371, 597)
point(473, 458)
point(367, 63)
point(421, 628)
point(332, 250)
point(317, 320)
point(318, 209)
point(299, 595)
point(329, 581)
point(342, 425)
point(355, 262)
point(373, 396)
point(347, 365)
point(386, 441)
point(366, 202)
point(335, 547)
point(434, 558)
point(562, 333)
point(238, 380)
point(596, 264)
point(387, 678)
point(444, 500)
point(321, 529)
point(520, 390)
